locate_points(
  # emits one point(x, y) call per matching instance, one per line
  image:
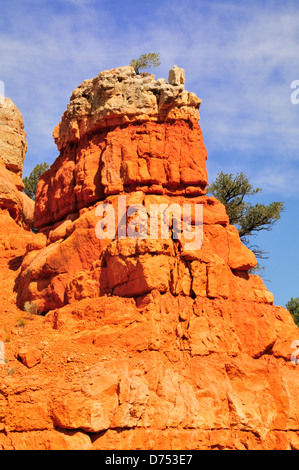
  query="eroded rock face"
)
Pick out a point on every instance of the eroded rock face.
point(13, 148)
point(123, 132)
point(145, 343)
point(119, 97)
point(13, 145)
point(135, 144)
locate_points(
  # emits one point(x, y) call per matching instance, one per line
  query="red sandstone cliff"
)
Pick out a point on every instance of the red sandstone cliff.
point(145, 344)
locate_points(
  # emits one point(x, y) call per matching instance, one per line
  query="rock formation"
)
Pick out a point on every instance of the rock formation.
point(123, 132)
point(13, 148)
point(143, 343)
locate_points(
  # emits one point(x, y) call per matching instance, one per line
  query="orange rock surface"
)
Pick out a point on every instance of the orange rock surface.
point(135, 342)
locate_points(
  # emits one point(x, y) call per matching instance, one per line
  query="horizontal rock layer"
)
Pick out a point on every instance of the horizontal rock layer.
point(153, 157)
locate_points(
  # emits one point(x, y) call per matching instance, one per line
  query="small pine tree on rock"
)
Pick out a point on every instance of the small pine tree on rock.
point(30, 182)
point(293, 308)
point(232, 191)
point(145, 61)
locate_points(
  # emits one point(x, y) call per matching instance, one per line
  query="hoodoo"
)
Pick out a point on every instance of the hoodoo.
point(143, 343)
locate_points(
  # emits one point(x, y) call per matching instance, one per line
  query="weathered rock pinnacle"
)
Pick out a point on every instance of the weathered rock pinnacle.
point(145, 343)
point(13, 148)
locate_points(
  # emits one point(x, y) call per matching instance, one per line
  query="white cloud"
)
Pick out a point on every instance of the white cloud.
point(81, 3)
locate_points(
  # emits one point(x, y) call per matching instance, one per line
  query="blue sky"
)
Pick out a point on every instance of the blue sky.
point(239, 58)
